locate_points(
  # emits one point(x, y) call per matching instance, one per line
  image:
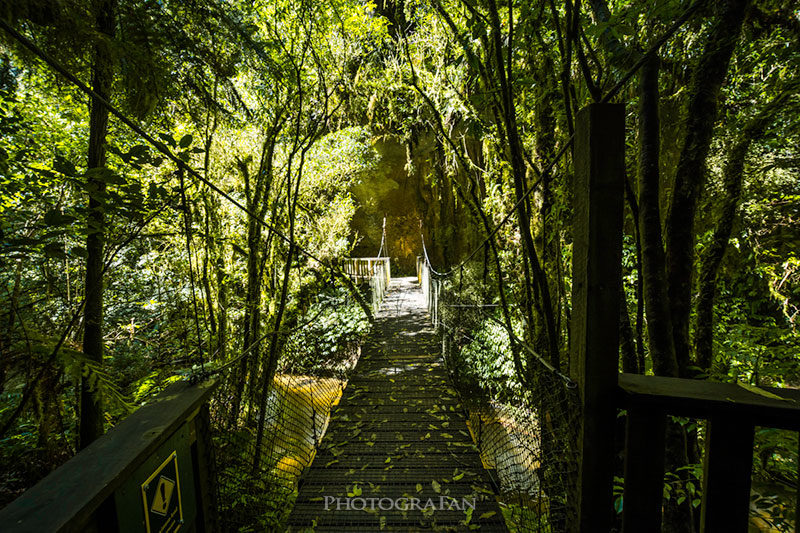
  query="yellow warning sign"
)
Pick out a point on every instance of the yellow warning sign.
point(161, 495)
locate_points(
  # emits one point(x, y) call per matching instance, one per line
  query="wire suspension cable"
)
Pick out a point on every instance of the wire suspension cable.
point(512, 336)
point(607, 98)
point(161, 147)
point(383, 239)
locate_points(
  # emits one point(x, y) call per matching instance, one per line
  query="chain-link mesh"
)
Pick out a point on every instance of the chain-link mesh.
point(263, 439)
point(524, 425)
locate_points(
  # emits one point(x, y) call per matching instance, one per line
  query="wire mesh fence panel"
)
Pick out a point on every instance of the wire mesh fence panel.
point(523, 411)
point(264, 437)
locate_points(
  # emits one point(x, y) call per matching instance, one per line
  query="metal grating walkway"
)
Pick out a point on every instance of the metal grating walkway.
point(397, 455)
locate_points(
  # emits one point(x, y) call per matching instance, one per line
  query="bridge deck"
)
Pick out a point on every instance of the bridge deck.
point(397, 444)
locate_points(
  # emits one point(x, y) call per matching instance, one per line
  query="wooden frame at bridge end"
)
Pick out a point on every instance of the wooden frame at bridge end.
point(79, 495)
point(597, 251)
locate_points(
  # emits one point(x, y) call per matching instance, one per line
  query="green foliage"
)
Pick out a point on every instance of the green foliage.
point(487, 362)
point(329, 340)
point(292, 94)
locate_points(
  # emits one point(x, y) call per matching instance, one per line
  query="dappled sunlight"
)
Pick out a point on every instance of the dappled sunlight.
point(302, 406)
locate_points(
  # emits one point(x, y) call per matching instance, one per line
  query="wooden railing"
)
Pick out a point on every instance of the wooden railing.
point(431, 289)
point(361, 269)
point(732, 412)
point(377, 271)
point(152, 472)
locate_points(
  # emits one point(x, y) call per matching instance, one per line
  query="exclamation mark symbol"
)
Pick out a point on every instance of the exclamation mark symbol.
point(163, 487)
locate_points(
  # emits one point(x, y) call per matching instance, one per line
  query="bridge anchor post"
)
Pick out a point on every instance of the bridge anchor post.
point(599, 156)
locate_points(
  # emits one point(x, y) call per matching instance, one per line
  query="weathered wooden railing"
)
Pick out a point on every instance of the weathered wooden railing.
point(377, 271)
point(431, 289)
point(363, 268)
point(151, 473)
point(732, 411)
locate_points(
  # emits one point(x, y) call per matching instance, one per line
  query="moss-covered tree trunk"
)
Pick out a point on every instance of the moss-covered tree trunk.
point(91, 416)
point(708, 76)
point(713, 253)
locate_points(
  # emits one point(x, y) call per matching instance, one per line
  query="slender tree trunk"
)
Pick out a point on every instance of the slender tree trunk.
point(252, 303)
point(627, 346)
point(206, 278)
point(91, 416)
point(701, 115)
point(216, 250)
point(518, 173)
point(732, 176)
point(677, 518)
point(659, 324)
point(271, 364)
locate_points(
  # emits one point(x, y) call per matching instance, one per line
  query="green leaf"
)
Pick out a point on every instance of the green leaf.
point(760, 391)
point(139, 151)
point(468, 512)
point(618, 505)
point(64, 166)
point(167, 138)
point(105, 175)
point(185, 141)
point(55, 250)
point(78, 251)
point(55, 218)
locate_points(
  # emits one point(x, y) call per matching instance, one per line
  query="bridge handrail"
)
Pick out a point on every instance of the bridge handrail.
point(732, 411)
point(363, 268)
point(77, 495)
point(375, 270)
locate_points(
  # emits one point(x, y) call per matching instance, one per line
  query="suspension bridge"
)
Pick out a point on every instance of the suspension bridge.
point(398, 452)
point(396, 435)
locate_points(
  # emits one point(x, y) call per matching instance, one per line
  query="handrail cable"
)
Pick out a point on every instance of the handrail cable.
point(611, 94)
point(513, 337)
point(161, 147)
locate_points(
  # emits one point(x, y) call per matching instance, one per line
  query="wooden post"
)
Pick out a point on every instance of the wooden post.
point(205, 465)
point(597, 253)
point(726, 474)
point(644, 469)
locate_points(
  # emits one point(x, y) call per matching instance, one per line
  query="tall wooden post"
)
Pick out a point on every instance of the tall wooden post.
point(594, 351)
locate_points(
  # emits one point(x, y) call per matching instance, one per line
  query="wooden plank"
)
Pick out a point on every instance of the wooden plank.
point(644, 470)
point(66, 499)
point(704, 399)
point(726, 474)
point(597, 248)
